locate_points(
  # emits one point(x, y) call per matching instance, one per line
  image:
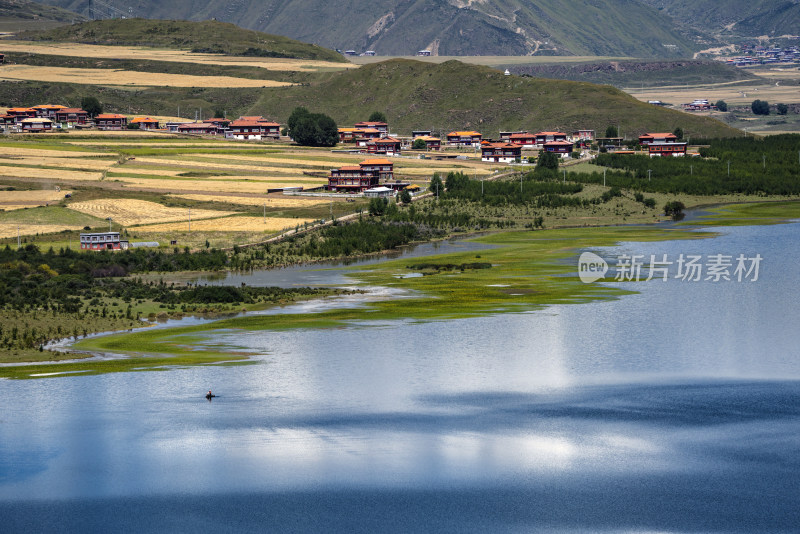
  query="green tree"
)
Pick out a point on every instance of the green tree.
point(377, 116)
point(612, 131)
point(722, 105)
point(219, 113)
point(436, 187)
point(674, 209)
point(783, 109)
point(91, 105)
point(418, 144)
point(547, 160)
point(297, 113)
point(678, 133)
point(760, 107)
point(405, 196)
point(314, 129)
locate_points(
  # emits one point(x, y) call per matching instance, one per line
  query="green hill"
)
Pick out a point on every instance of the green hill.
point(733, 20)
point(205, 36)
point(638, 73)
point(34, 11)
point(447, 27)
point(453, 95)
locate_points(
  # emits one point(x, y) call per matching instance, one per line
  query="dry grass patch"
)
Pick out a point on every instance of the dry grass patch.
point(42, 153)
point(221, 166)
point(194, 186)
point(13, 200)
point(50, 174)
point(126, 77)
point(228, 224)
point(10, 229)
point(130, 212)
point(271, 202)
point(80, 163)
point(182, 56)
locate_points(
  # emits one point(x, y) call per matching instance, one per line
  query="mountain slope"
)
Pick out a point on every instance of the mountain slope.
point(453, 96)
point(27, 10)
point(206, 36)
point(735, 18)
point(448, 27)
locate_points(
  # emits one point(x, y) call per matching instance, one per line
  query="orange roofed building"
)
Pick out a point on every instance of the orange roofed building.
point(464, 138)
point(256, 128)
point(146, 123)
point(357, 178)
point(111, 121)
point(648, 138)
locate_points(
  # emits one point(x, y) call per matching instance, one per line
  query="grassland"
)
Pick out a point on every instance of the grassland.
point(209, 35)
point(168, 55)
point(127, 78)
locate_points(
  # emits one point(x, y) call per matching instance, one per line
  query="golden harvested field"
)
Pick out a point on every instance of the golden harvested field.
point(227, 224)
point(10, 229)
point(128, 212)
point(270, 201)
point(43, 152)
point(144, 170)
point(93, 164)
point(155, 54)
point(13, 200)
point(126, 77)
point(218, 166)
point(192, 186)
point(738, 94)
point(51, 174)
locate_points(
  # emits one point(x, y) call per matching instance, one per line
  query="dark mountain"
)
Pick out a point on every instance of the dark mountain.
point(446, 27)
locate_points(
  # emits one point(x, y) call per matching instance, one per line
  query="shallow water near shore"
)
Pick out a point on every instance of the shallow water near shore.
point(675, 409)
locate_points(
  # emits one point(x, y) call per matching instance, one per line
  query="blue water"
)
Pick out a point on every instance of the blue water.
point(676, 409)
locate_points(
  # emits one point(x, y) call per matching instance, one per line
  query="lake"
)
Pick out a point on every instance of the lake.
point(676, 409)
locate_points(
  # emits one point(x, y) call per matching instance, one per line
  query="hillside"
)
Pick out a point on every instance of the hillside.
point(29, 11)
point(734, 20)
point(638, 73)
point(205, 36)
point(447, 27)
point(454, 95)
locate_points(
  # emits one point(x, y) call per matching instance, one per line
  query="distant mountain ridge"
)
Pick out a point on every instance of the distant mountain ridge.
point(446, 27)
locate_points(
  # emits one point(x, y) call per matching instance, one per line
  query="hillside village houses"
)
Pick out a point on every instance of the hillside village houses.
point(371, 137)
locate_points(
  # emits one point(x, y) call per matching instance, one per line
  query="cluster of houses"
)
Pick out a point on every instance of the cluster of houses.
point(762, 55)
point(47, 117)
point(699, 104)
point(373, 177)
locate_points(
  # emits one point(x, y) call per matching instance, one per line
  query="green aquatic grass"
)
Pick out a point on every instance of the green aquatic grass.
point(746, 214)
point(530, 270)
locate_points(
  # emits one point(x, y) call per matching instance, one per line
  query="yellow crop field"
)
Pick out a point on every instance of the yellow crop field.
point(10, 229)
point(182, 56)
point(130, 212)
point(227, 224)
point(42, 153)
point(270, 202)
point(12, 200)
point(193, 186)
point(144, 170)
point(51, 174)
point(126, 77)
point(75, 163)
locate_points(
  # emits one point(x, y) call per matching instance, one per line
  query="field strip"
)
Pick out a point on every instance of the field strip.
point(271, 202)
point(292, 161)
point(13, 200)
point(127, 211)
point(74, 163)
point(43, 152)
point(126, 169)
point(181, 56)
point(53, 174)
point(222, 166)
point(165, 144)
point(192, 186)
point(227, 179)
point(10, 229)
point(126, 77)
point(227, 224)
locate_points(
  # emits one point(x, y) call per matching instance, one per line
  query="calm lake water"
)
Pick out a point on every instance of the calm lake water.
point(676, 409)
